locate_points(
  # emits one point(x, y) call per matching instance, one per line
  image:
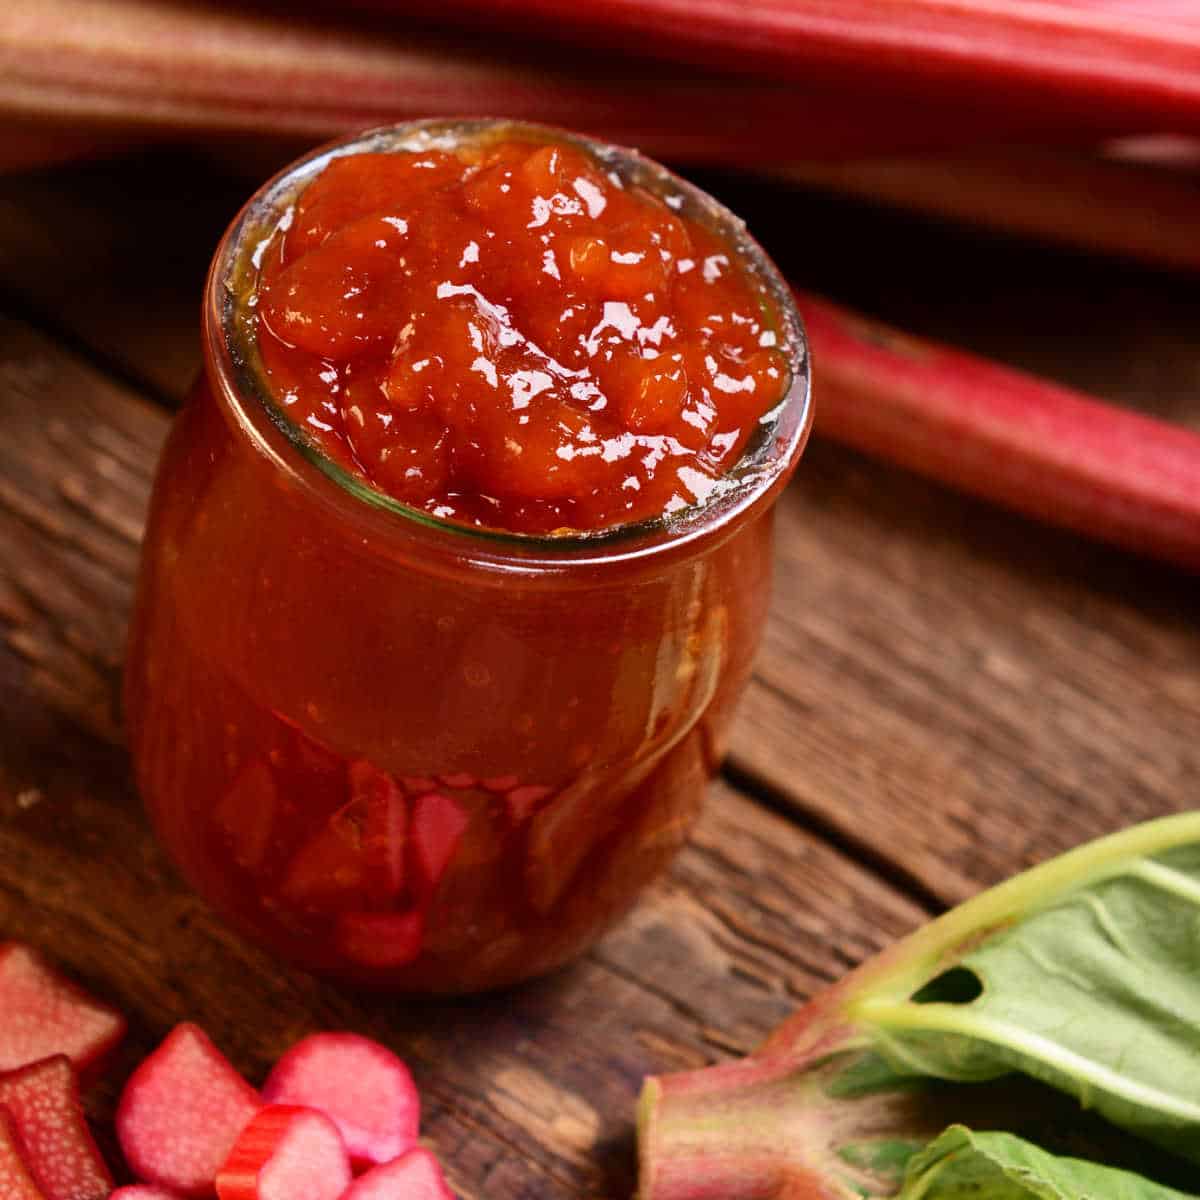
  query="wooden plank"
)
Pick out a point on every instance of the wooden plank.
point(958, 692)
point(530, 1093)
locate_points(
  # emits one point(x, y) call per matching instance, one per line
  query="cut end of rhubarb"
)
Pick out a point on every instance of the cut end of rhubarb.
point(415, 1176)
point(43, 1102)
point(286, 1153)
point(181, 1112)
point(362, 1086)
point(16, 1181)
point(45, 1014)
point(381, 940)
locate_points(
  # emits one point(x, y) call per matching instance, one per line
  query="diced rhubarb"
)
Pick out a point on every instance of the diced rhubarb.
point(381, 939)
point(247, 813)
point(181, 1112)
point(1036, 447)
point(359, 1084)
point(329, 871)
point(43, 1101)
point(385, 828)
point(16, 1182)
point(286, 1153)
point(415, 1176)
point(143, 1191)
point(356, 860)
point(45, 1014)
point(438, 825)
point(521, 801)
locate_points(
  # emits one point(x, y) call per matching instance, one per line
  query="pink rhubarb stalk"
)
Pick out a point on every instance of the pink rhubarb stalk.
point(137, 67)
point(1086, 202)
point(1041, 449)
point(1124, 64)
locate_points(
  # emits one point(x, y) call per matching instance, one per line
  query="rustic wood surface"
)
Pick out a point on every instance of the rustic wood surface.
point(946, 693)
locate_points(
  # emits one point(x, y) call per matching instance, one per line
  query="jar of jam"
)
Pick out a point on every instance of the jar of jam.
point(460, 550)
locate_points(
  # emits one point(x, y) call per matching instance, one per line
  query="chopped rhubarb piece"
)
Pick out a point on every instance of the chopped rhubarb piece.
point(385, 830)
point(459, 782)
point(142, 1191)
point(521, 801)
point(438, 824)
point(359, 1084)
point(181, 1112)
point(286, 1153)
point(247, 813)
point(415, 1176)
point(46, 1014)
point(499, 783)
point(329, 871)
point(16, 1182)
point(418, 784)
point(356, 860)
point(381, 939)
point(43, 1101)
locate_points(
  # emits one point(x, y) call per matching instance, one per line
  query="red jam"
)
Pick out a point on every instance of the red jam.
point(509, 335)
point(407, 753)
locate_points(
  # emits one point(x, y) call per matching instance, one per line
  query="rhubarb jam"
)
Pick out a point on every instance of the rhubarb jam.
point(510, 335)
point(460, 550)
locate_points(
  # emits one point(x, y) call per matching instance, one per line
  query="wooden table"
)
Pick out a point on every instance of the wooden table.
point(946, 693)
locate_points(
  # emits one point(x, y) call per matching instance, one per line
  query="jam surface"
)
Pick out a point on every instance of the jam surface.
point(510, 336)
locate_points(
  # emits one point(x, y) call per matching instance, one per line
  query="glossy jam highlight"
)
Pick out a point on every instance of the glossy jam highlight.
point(511, 336)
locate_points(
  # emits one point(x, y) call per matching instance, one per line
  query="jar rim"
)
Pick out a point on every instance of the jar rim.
point(240, 385)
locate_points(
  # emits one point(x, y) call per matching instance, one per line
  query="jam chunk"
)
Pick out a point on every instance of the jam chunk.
point(512, 336)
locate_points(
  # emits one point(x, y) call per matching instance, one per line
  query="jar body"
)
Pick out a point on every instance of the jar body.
point(424, 775)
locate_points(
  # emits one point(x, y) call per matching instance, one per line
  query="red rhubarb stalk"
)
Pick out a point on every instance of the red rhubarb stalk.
point(137, 67)
point(1090, 203)
point(1130, 65)
point(1041, 449)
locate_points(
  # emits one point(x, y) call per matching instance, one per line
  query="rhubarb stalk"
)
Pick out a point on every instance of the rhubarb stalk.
point(1047, 977)
point(1132, 66)
point(113, 68)
point(1090, 203)
point(1041, 449)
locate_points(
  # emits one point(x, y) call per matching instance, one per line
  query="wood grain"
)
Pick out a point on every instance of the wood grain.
point(958, 692)
point(530, 1093)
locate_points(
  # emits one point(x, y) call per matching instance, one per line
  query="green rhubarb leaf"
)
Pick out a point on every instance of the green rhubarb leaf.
point(1095, 990)
point(964, 1165)
point(1082, 974)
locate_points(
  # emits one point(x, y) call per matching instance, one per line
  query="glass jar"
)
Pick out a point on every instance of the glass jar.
point(410, 753)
